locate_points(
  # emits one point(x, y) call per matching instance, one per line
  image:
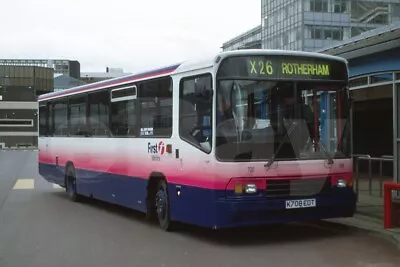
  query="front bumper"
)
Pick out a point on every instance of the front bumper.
point(243, 212)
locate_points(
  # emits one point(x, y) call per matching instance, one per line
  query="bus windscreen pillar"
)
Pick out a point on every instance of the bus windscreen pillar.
point(324, 123)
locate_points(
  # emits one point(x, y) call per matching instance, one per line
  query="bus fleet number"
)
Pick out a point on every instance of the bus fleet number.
point(261, 67)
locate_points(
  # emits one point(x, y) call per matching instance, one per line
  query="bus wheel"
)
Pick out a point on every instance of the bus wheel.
point(70, 185)
point(163, 206)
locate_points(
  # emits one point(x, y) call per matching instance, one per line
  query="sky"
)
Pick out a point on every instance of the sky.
point(129, 34)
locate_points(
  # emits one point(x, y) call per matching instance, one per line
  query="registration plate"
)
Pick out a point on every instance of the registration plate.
point(301, 203)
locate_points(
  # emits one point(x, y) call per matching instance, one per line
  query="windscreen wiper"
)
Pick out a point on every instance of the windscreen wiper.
point(330, 158)
point(287, 135)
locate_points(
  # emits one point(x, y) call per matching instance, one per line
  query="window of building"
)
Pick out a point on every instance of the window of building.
point(16, 123)
point(99, 113)
point(357, 31)
point(285, 38)
point(292, 35)
point(60, 111)
point(299, 33)
point(275, 42)
point(358, 82)
point(316, 33)
point(319, 5)
point(43, 116)
point(340, 6)
point(155, 98)
point(395, 12)
point(380, 19)
point(291, 9)
point(195, 111)
point(382, 77)
point(286, 12)
point(77, 116)
point(263, 2)
point(337, 34)
point(328, 33)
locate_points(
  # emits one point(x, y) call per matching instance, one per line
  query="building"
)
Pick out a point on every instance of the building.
point(91, 77)
point(374, 65)
point(310, 25)
point(19, 88)
point(248, 40)
point(62, 82)
point(67, 67)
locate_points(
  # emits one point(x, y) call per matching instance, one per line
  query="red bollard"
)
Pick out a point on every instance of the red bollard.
point(388, 187)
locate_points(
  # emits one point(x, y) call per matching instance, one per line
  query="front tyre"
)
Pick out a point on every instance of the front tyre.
point(163, 206)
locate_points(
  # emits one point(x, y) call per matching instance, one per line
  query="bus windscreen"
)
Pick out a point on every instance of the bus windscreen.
point(281, 107)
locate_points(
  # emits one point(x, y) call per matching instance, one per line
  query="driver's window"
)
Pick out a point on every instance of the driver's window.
point(195, 111)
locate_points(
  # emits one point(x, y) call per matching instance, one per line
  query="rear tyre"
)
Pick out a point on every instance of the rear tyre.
point(70, 185)
point(163, 206)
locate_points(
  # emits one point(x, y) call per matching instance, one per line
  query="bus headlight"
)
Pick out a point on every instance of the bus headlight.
point(341, 183)
point(250, 189)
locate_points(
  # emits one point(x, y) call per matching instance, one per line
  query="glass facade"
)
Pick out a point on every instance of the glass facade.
point(248, 40)
point(310, 25)
point(282, 24)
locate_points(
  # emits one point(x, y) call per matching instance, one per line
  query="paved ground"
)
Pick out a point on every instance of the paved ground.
point(40, 227)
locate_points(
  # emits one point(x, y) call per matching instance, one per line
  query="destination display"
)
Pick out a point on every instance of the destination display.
point(283, 67)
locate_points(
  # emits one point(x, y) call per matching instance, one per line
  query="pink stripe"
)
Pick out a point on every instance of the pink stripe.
point(126, 167)
point(217, 176)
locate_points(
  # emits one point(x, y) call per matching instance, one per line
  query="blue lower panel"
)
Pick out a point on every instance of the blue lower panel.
point(125, 191)
point(194, 205)
point(203, 207)
point(52, 173)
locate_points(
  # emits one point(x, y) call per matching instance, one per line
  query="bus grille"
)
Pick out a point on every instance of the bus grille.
point(298, 187)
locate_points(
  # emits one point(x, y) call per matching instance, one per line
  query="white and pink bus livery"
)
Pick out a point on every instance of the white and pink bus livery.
point(244, 138)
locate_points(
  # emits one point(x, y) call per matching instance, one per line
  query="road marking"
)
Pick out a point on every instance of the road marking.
point(24, 184)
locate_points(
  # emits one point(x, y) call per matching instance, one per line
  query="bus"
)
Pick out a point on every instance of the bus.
point(244, 138)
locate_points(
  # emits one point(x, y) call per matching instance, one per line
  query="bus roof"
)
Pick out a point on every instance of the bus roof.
point(180, 68)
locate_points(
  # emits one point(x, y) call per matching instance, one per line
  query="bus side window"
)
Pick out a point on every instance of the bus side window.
point(43, 120)
point(60, 111)
point(124, 118)
point(77, 116)
point(50, 120)
point(195, 111)
point(99, 113)
point(155, 97)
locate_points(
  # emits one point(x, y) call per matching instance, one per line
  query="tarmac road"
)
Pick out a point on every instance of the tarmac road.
point(39, 226)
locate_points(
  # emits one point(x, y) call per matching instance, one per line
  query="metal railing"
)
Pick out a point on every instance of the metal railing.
point(366, 157)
